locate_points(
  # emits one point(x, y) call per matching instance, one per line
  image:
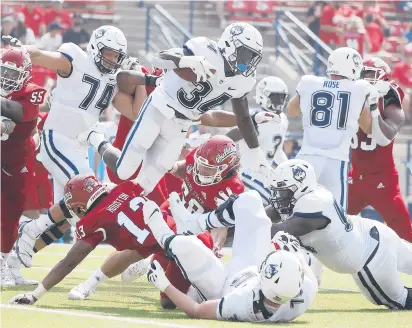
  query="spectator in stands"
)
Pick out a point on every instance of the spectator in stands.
point(34, 18)
point(329, 29)
point(356, 37)
point(7, 24)
point(52, 40)
point(402, 74)
point(408, 33)
point(77, 34)
point(314, 14)
point(22, 32)
point(372, 10)
point(56, 14)
point(375, 33)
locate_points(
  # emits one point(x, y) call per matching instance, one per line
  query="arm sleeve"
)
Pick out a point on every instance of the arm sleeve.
point(392, 98)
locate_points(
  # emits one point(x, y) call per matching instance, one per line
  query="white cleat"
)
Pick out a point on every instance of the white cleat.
point(7, 279)
point(81, 292)
point(24, 246)
point(14, 265)
point(136, 270)
point(84, 137)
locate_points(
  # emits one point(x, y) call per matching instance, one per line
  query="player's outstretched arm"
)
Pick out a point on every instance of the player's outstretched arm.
point(129, 105)
point(244, 122)
point(168, 59)
point(384, 130)
point(77, 254)
point(179, 169)
point(53, 60)
point(299, 226)
point(11, 109)
point(128, 81)
point(206, 310)
point(218, 119)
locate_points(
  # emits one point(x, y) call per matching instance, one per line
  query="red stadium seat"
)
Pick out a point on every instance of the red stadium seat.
point(262, 7)
point(237, 6)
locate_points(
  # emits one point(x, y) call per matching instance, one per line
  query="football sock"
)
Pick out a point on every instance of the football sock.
point(36, 227)
point(96, 278)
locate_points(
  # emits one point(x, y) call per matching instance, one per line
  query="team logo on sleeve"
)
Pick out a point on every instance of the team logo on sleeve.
point(299, 174)
point(271, 270)
point(237, 29)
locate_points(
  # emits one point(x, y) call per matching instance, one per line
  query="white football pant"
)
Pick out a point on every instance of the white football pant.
point(154, 139)
point(63, 158)
point(332, 174)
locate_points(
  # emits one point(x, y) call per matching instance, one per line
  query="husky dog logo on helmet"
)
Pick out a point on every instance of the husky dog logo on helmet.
point(357, 60)
point(271, 270)
point(225, 154)
point(299, 174)
point(237, 29)
point(100, 32)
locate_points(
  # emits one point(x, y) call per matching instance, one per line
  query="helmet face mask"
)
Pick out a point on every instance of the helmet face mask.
point(272, 94)
point(245, 60)
point(375, 69)
point(15, 67)
point(283, 199)
point(276, 101)
point(105, 65)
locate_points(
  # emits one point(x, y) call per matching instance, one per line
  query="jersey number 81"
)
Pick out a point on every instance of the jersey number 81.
point(322, 105)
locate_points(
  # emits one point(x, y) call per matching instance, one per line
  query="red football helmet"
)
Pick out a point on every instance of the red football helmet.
point(215, 160)
point(15, 66)
point(380, 69)
point(80, 192)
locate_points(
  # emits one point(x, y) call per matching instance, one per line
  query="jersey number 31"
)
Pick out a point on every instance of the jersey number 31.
point(322, 105)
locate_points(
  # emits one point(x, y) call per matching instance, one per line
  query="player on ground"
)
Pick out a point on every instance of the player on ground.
point(210, 175)
point(113, 216)
point(272, 96)
point(258, 284)
point(20, 100)
point(332, 110)
point(224, 71)
point(374, 179)
point(368, 250)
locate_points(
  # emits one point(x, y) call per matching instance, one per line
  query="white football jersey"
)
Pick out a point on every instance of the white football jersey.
point(193, 99)
point(78, 100)
point(330, 114)
point(343, 245)
point(271, 138)
point(245, 301)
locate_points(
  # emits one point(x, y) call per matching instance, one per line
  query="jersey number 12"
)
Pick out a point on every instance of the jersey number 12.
point(124, 220)
point(322, 105)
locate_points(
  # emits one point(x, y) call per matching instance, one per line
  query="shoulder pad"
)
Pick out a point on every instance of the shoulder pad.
point(72, 51)
point(313, 204)
point(305, 80)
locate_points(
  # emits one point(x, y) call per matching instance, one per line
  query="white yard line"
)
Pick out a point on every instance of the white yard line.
point(96, 316)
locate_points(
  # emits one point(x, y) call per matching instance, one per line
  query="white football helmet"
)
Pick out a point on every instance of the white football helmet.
point(241, 45)
point(290, 181)
point(272, 94)
point(346, 62)
point(110, 38)
point(281, 276)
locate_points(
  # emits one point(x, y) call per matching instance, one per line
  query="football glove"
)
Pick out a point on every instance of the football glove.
point(255, 160)
point(185, 221)
point(264, 117)
point(284, 241)
point(131, 64)
point(382, 87)
point(199, 65)
point(373, 99)
point(223, 196)
point(9, 40)
point(23, 299)
point(157, 276)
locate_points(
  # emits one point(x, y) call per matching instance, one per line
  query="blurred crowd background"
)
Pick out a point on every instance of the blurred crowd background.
point(297, 38)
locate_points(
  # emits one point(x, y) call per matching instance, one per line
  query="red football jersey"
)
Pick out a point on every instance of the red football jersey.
point(20, 145)
point(367, 156)
point(355, 41)
point(205, 198)
point(118, 221)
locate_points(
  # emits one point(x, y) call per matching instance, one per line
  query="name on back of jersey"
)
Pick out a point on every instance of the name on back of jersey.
point(114, 206)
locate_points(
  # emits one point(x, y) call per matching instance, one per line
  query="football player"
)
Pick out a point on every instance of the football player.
point(258, 284)
point(272, 96)
point(332, 110)
point(210, 175)
point(374, 179)
point(113, 216)
point(20, 100)
point(366, 249)
point(224, 71)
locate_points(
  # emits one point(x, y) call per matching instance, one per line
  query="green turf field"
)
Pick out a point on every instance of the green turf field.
point(135, 304)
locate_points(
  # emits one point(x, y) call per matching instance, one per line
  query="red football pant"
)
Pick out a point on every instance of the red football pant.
point(12, 204)
point(173, 272)
point(382, 192)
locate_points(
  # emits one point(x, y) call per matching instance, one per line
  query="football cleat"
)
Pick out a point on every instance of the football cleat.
point(84, 137)
point(14, 265)
point(7, 279)
point(81, 292)
point(136, 270)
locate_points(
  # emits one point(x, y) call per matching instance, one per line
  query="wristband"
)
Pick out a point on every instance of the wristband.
point(39, 291)
point(150, 80)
